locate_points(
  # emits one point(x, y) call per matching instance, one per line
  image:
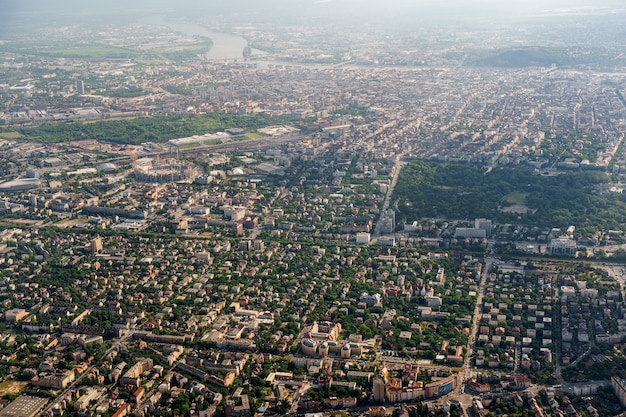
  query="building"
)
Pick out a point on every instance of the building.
point(324, 330)
point(483, 224)
point(24, 406)
point(55, 381)
point(470, 232)
point(379, 411)
point(370, 299)
point(113, 212)
point(203, 376)
point(619, 386)
point(96, 245)
point(133, 375)
point(162, 338)
point(234, 213)
point(107, 167)
point(32, 172)
point(204, 258)
point(379, 390)
point(15, 314)
point(563, 246)
point(396, 390)
point(568, 291)
point(208, 139)
point(91, 394)
point(309, 347)
point(20, 184)
point(387, 221)
point(387, 241)
point(122, 411)
point(80, 87)
point(362, 238)
point(168, 170)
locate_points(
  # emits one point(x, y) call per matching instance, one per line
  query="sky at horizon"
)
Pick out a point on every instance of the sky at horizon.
point(32, 14)
point(12, 8)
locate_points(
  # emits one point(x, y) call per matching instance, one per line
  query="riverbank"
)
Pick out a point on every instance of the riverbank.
point(226, 46)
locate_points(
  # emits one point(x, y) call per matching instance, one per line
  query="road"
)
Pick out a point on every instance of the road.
point(467, 368)
point(396, 173)
point(459, 392)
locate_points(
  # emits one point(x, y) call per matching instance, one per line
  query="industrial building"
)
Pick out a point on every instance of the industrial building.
point(20, 184)
point(24, 406)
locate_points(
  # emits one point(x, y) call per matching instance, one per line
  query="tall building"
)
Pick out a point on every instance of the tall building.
point(32, 172)
point(619, 387)
point(96, 245)
point(80, 87)
point(379, 390)
point(387, 221)
point(483, 224)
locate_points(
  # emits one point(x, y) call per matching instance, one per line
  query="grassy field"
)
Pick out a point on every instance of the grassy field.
point(95, 52)
point(21, 222)
point(142, 129)
point(10, 135)
point(516, 198)
point(12, 387)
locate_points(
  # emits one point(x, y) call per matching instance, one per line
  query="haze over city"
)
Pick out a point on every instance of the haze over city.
point(448, 9)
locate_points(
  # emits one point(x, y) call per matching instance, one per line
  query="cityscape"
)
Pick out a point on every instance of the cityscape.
point(313, 209)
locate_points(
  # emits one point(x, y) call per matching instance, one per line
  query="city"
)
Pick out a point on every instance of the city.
point(311, 220)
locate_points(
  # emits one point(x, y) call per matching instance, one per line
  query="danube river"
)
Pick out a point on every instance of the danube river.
point(225, 46)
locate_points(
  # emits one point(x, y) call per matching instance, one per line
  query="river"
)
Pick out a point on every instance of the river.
point(225, 46)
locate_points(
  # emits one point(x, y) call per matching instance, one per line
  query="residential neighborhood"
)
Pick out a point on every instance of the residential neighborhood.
point(368, 226)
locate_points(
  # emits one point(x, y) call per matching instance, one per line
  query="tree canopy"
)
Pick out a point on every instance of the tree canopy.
point(437, 190)
point(145, 129)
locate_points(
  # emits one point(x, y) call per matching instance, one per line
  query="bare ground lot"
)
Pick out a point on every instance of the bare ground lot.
point(12, 387)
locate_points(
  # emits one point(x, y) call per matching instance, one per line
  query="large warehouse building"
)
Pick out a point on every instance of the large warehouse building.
point(24, 406)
